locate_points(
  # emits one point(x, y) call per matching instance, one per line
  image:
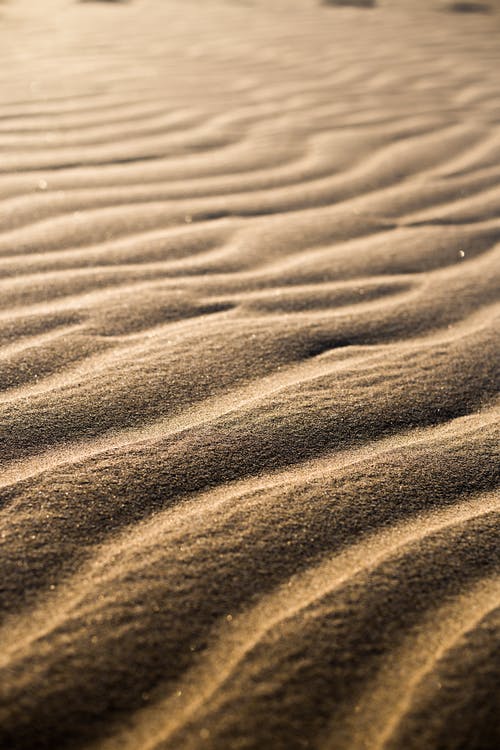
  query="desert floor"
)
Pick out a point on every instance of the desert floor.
point(249, 375)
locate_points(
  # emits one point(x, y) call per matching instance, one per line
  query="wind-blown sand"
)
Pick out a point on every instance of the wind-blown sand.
point(249, 305)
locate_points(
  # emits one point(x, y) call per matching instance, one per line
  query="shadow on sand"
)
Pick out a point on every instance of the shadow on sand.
point(351, 3)
point(469, 8)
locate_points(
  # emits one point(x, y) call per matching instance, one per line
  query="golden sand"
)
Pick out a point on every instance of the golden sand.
point(249, 370)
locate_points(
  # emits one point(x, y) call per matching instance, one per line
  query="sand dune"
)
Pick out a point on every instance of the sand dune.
point(249, 375)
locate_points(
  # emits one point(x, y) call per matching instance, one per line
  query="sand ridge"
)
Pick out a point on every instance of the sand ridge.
point(249, 375)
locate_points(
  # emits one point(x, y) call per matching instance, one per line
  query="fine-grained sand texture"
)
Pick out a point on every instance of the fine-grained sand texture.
point(249, 370)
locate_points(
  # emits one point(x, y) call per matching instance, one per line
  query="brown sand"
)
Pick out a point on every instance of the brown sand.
point(249, 305)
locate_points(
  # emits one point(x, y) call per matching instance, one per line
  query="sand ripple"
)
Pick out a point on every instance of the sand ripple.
point(249, 325)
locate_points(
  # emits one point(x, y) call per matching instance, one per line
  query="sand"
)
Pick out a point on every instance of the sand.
point(249, 375)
